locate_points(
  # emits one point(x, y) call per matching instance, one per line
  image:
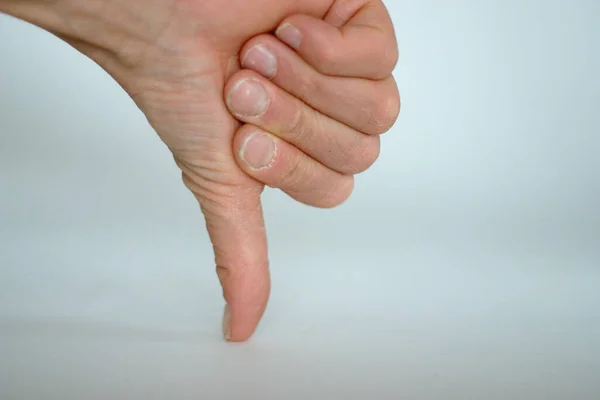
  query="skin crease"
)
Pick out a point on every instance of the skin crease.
point(202, 140)
point(174, 57)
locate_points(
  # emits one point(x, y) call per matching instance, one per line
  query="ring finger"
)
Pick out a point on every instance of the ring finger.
point(255, 100)
point(278, 164)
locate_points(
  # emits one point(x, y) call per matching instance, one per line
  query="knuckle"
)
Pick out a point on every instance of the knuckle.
point(387, 56)
point(392, 56)
point(296, 128)
point(293, 175)
point(372, 152)
point(327, 59)
point(338, 194)
point(365, 155)
point(216, 190)
point(308, 85)
point(380, 50)
point(318, 86)
point(305, 126)
point(386, 113)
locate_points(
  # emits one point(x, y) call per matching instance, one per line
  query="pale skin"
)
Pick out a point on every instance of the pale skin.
point(196, 69)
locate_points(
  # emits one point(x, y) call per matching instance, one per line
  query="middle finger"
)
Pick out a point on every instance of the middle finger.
point(255, 100)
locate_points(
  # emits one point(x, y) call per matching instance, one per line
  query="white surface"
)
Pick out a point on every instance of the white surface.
point(466, 266)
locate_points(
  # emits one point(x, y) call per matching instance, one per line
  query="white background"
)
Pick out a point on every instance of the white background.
point(466, 266)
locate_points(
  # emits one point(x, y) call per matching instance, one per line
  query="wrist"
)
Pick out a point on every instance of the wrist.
point(116, 27)
point(58, 17)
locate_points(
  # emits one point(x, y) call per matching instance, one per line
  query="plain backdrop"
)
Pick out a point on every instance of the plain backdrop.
point(466, 265)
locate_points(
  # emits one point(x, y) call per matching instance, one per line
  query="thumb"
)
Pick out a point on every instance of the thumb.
point(235, 223)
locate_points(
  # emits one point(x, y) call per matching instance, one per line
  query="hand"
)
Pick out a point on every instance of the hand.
point(173, 57)
point(328, 102)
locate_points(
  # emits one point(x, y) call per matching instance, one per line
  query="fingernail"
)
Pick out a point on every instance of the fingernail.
point(290, 35)
point(260, 59)
point(227, 322)
point(259, 150)
point(248, 98)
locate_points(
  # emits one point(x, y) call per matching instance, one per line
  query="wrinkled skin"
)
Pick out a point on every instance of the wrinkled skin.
point(174, 58)
point(186, 108)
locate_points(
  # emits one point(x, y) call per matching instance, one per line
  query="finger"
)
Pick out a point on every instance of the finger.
point(255, 100)
point(364, 47)
point(235, 223)
point(278, 164)
point(369, 106)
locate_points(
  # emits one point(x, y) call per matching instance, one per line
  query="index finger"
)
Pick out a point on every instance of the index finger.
point(355, 39)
